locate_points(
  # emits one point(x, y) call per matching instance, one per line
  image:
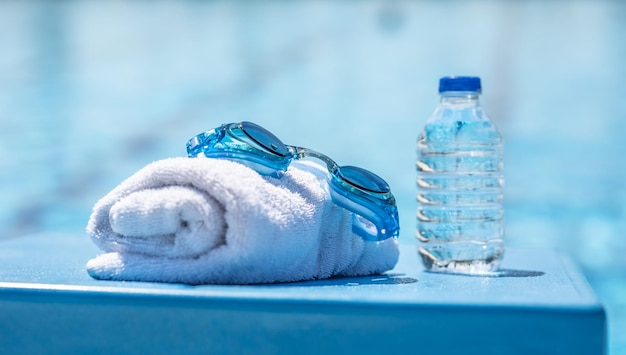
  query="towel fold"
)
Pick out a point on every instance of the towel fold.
point(210, 221)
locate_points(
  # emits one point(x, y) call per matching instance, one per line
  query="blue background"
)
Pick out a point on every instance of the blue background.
point(90, 92)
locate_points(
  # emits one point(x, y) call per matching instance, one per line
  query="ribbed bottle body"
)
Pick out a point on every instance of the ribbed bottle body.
point(460, 222)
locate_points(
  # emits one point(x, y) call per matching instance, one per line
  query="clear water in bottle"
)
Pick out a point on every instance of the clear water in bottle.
point(459, 184)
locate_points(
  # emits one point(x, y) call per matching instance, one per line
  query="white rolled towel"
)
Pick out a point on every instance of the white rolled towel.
point(210, 221)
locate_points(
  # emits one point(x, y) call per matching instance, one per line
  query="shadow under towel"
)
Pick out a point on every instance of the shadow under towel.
point(210, 221)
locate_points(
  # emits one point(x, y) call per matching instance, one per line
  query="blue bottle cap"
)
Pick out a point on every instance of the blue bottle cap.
point(460, 83)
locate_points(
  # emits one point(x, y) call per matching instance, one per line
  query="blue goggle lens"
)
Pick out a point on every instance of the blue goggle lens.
point(364, 179)
point(264, 138)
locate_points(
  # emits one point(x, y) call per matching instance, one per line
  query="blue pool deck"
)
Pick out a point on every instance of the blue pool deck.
point(541, 304)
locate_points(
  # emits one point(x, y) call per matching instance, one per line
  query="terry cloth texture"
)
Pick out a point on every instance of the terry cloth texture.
point(210, 221)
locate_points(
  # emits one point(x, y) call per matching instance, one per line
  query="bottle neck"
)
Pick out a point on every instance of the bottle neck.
point(459, 98)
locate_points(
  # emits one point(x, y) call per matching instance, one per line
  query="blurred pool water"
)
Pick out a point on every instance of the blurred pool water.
point(90, 92)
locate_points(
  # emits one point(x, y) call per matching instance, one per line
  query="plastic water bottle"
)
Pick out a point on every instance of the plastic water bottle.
point(460, 222)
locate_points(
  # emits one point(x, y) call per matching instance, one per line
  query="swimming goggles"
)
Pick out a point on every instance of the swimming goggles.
point(362, 192)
